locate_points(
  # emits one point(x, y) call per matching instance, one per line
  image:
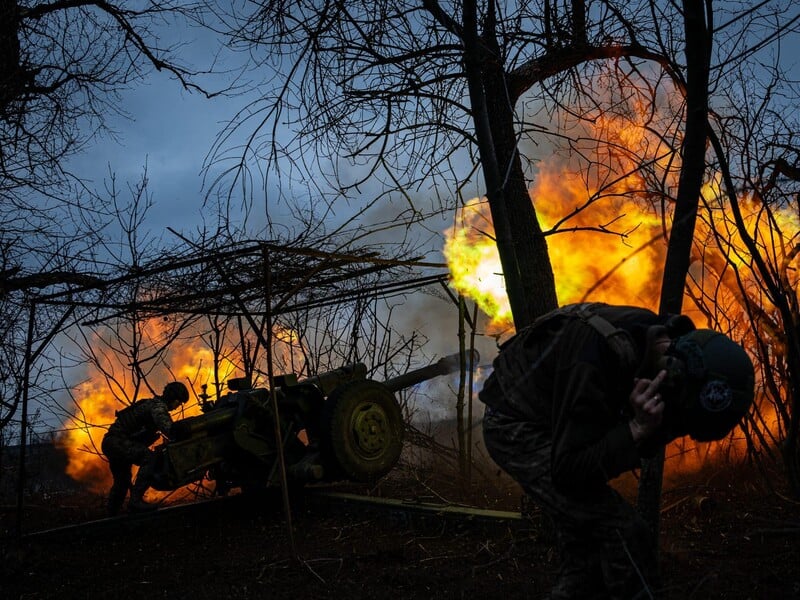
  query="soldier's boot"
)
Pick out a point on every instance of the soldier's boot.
point(116, 498)
point(308, 469)
point(580, 574)
point(137, 502)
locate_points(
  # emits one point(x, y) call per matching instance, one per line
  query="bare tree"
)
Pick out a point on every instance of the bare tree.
point(693, 167)
point(63, 65)
point(755, 248)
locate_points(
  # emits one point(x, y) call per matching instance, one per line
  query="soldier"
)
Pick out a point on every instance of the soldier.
point(583, 394)
point(128, 442)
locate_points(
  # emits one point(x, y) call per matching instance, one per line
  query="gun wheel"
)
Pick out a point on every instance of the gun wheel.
point(363, 429)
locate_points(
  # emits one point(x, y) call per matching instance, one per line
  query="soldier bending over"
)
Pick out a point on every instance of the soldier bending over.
point(128, 442)
point(583, 394)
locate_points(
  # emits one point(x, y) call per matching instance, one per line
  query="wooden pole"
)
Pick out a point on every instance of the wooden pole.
point(23, 426)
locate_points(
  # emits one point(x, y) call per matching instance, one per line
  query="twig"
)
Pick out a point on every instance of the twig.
point(428, 488)
point(272, 565)
point(786, 498)
point(636, 568)
point(700, 583)
point(307, 565)
point(675, 504)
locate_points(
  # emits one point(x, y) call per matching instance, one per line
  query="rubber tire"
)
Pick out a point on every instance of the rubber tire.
point(362, 430)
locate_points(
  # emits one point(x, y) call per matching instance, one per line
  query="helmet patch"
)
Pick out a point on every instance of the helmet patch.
point(716, 396)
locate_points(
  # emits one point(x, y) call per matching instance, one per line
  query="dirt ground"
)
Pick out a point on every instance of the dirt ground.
point(723, 536)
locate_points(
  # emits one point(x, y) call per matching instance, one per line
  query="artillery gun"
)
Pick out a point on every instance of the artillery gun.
point(338, 425)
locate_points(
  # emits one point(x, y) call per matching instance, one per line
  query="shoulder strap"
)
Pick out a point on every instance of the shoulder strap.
point(617, 338)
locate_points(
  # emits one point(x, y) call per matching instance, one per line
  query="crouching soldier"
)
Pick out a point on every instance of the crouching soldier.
point(583, 394)
point(128, 442)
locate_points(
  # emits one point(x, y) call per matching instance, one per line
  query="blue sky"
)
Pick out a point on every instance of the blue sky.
point(171, 131)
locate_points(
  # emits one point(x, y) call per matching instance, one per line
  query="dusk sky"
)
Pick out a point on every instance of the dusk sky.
point(172, 131)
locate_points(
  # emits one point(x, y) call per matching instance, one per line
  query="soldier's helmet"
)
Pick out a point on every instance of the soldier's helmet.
point(709, 386)
point(175, 393)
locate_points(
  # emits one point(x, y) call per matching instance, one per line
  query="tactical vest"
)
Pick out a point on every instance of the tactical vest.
point(521, 378)
point(127, 417)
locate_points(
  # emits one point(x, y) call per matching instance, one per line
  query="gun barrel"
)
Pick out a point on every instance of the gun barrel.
point(443, 366)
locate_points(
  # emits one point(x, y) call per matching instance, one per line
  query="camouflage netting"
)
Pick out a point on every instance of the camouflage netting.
point(238, 278)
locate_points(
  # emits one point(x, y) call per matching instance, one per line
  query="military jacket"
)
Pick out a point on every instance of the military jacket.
point(562, 375)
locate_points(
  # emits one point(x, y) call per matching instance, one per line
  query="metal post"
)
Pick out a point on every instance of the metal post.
point(274, 397)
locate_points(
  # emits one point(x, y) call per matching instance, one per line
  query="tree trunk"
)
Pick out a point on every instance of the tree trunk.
point(698, 53)
point(461, 423)
point(536, 282)
point(11, 72)
point(527, 271)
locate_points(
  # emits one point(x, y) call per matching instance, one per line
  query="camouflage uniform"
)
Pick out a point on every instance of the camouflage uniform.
point(556, 420)
point(128, 442)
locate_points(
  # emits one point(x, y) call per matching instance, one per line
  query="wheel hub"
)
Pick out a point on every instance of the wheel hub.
point(370, 429)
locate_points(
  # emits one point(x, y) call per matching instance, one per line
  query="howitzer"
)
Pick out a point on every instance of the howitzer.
point(335, 425)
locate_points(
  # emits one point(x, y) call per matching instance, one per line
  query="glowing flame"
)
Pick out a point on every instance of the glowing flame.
point(474, 264)
point(589, 262)
point(96, 403)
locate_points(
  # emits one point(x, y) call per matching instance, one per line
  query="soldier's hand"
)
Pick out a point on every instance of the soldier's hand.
point(648, 407)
